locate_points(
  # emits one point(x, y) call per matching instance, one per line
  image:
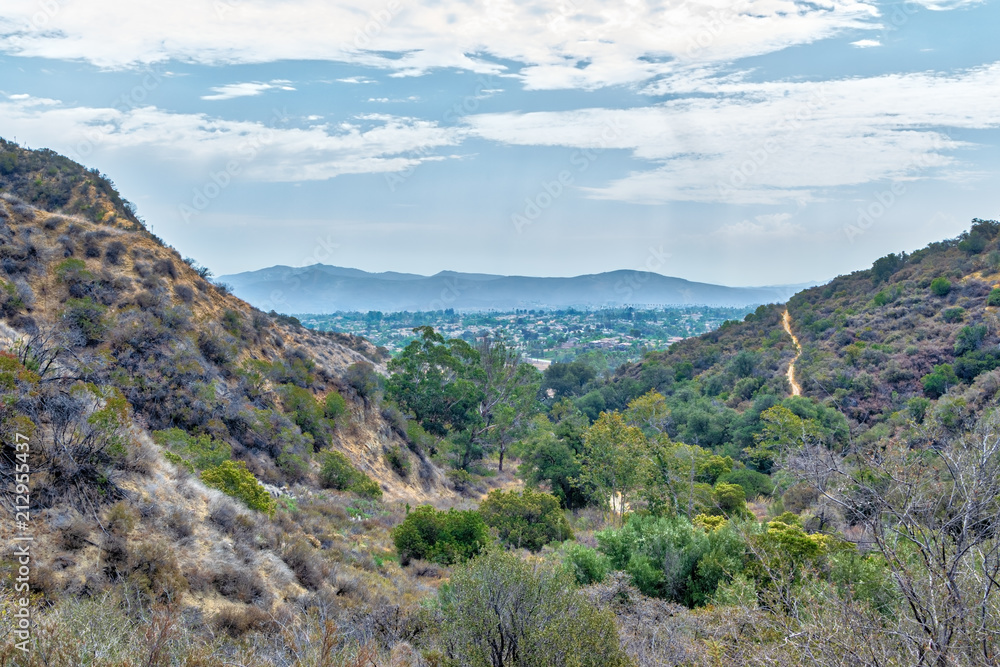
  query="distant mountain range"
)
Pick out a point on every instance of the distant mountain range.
point(326, 289)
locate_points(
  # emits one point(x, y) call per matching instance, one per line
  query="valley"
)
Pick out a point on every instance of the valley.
point(815, 479)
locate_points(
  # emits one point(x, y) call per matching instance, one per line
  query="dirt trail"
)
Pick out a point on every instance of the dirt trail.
point(786, 320)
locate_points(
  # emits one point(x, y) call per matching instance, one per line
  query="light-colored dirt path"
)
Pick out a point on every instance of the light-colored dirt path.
point(786, 320)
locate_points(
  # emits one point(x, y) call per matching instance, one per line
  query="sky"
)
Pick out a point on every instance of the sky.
point(747, 142)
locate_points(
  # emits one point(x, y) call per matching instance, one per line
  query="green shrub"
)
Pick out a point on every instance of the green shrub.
point(334, 406)
point(937, 382)
point(306, 412)
point(588, 566)
point(199, 452)
point(443, 537)
point(88, 317)
point(940, 286)
point(500, 610)
point(363, 378)
point(753, 482)
point(674, 559)
point(398, 461)
point(730, 500)
point(528, 520)
point(952, 315)
point(969, 338)
point(994, 298)
point(10, 301)
point(339, 473)
point(233, 479)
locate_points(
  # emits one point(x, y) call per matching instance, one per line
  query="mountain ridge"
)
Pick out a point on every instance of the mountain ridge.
point(321, 289)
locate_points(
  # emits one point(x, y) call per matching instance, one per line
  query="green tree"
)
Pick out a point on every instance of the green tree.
point(502, 612)
point(615, 461)
point(430, 379)
point(527, 519)
point(551, 452)
point(482, 395)
point(649, 412)
point(783, 430)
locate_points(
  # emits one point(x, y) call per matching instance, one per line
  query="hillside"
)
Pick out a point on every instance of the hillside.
point(916, 333)
point(320, 289)
point(136, 381)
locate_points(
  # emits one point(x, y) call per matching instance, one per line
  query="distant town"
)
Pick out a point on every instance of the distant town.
point(606, 337)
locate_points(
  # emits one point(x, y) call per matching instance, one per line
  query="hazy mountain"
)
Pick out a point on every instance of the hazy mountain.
point(324, 289)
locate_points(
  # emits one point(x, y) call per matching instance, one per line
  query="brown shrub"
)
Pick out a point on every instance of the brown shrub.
point(239, 584)
point(237, 620)
point(307, 564)
point(75, 535)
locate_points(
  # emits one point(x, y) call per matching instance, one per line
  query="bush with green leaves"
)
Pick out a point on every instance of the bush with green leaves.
point(88, 318)
point(527, 519)
point(193, 452)
point(952, 315)
point(674, 559)
point(499, 610)
point(442, 537)
point(937, 382)
point(334, 406)
point(994, 297)
point(587, 565)
point(940, 286)
point(233, 479)
point(303, 409)
point(754, 483)
point(337, 472)
point(396, 458)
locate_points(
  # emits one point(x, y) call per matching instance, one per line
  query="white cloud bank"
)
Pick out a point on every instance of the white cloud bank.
point(563, 44)
point(771, 143)
point(263, 152)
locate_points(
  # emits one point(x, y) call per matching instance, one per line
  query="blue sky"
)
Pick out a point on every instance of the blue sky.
point(744, 143)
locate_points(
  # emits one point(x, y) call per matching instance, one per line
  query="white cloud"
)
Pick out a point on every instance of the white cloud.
point(572, 44)
point(357, 79)
point(768, 226)
point(947, 5)
point(250, 89)
point(264, 152)
point(866, 43)
point(767, 143)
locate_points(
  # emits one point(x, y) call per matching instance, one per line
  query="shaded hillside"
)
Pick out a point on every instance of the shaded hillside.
point(325, 289)
point(144, 390)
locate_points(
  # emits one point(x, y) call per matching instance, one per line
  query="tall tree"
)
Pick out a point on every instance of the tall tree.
point(615, 461)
